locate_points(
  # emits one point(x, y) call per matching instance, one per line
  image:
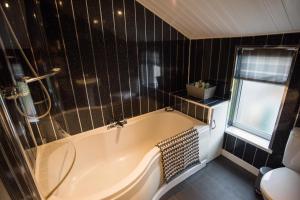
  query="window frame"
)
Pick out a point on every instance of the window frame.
point(237, 88)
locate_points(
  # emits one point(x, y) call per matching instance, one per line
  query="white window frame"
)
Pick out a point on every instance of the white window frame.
point(235, 95)
point(249, 129)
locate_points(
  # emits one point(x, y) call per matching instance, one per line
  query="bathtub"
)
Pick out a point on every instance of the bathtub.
point(123, 163)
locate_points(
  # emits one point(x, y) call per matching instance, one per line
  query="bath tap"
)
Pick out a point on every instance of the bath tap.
point(169, 109)
point(118, 124)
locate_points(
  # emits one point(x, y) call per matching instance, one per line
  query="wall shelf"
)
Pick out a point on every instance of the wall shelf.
point(211, 102)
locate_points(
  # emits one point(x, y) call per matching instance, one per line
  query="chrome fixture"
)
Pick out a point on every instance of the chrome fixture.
point(169, 109)
point(53, 72)
point(21, 89)
point(118, 124)
point(23, 85)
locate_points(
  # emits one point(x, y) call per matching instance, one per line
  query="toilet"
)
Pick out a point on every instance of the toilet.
point(284, 183)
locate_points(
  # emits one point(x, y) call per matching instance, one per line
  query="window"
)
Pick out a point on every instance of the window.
point(260, 79)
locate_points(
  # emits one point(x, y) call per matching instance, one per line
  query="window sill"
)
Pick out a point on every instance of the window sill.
point(249, 138)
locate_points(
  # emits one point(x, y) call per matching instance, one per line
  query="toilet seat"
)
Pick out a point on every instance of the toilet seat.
point(281, 184)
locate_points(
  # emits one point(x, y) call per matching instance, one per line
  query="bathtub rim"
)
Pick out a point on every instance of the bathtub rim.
point(133, 178)
point(140, 169)
point(130, 121)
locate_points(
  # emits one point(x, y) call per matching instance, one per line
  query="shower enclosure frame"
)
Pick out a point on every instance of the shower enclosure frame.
point(15, 172)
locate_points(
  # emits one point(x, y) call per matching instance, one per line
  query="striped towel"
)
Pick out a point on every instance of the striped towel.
point(179, 153)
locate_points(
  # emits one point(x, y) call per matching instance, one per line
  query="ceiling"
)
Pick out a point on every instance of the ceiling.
point(198, 19)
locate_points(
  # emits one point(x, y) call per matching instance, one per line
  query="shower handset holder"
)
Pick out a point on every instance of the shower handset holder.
point(53, 72)
point(20, 89)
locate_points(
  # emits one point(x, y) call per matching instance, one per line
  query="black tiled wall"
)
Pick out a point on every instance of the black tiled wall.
point(213, 60)
point(190, 108)
point(118, 60)
point(130, 53)
point(248, 152)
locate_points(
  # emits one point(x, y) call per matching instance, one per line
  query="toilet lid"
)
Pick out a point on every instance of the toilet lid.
point(281, 183)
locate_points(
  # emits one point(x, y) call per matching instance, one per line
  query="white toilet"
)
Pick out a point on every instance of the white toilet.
point(284, 183)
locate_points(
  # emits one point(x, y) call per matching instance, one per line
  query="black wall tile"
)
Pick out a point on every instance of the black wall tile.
point(260, 40)
point(260, 158)
point(215, 60)
point(191, 111)
point(118, 60)
point(200, 112)
point(230, 143)
point(239, 148)
point(207, 65)
point(275, 39)
point(177, 103)
point(224, 139)
point(184, 107)
point(207, 43)
point(249, 153)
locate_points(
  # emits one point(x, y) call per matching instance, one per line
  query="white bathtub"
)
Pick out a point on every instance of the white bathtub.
point(123, 163)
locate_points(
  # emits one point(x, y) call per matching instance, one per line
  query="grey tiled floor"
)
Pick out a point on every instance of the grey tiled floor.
point(221, 179)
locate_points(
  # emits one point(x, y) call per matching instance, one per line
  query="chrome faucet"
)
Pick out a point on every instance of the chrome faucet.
point(169, 109)
point(118, 124)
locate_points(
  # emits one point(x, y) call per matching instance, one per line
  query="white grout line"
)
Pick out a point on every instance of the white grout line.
point(106, 57)
point(266, 163)
point(181, 105)
point(170, 66)
point(219, 58)
point(281, 41)
point(54, 131)
point(254, 156)
point(39, 133)
point(94, 61)
point(244, 150)
point(211, 47)
point(234, 145)
point(117, 55)
point(202, 62)
point(68, 65)
point(189, 63)
point(163, 65)
point(225, 145)
point(147, 81)
point(227, 67)
point(195, 60)
point(195, 111)
point(155, 85)
point(176, 64)
point(175, 102)
point(31, 133)
point(183, 60)
point(137, 57)
point(128, 67)
point(44, 37)
point(81, 64)
point(170, 62)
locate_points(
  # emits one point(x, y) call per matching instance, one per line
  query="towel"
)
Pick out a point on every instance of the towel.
point(179, 153)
